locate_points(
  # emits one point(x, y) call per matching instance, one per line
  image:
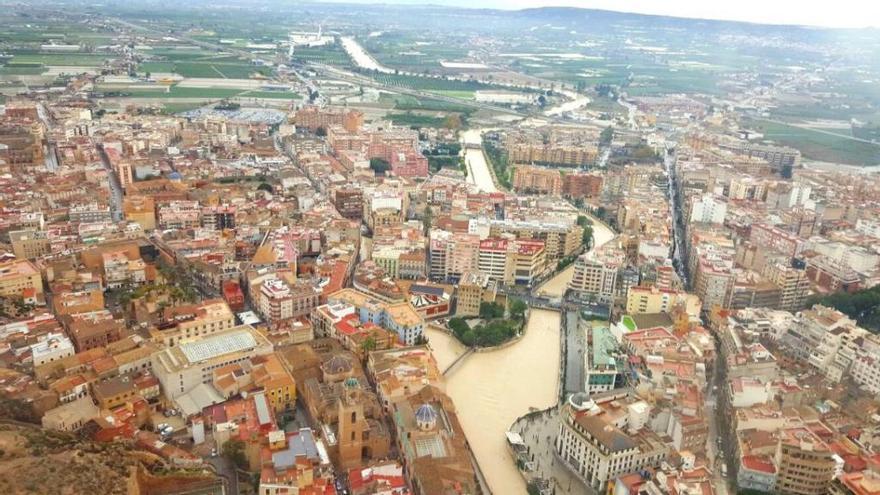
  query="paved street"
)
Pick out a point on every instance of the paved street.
point(575, 347)
point(539, 434)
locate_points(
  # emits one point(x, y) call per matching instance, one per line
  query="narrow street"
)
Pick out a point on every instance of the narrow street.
point(115, 187)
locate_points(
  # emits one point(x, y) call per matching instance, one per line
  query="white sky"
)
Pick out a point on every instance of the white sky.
point(834, 13)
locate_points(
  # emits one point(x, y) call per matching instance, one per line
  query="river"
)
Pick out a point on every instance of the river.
point(475, 160)
point(361, 57)
point(575, 103)
point(492, 389)
point(555, 287)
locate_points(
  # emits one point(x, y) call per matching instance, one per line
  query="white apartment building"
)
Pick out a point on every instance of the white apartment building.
point(54, 347)
point(605, 436)
point(708, 209)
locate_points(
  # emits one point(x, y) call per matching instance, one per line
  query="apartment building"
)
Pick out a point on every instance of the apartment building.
point(474, 288)
point(537, 180)
point(21, 279)
point(605, 436)
point(182, 323)
point(642, 300)
point(595, 272)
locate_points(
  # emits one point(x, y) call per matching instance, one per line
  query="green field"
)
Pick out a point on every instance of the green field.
point(23, 70)
point(206, 69)
point(406, 103)
point(819, 146)
point(65, 59)
point(330, 55)
point(206, 93)
point(415, 120)
point(430, 83)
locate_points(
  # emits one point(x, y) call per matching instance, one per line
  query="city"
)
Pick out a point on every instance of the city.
point(254, 247)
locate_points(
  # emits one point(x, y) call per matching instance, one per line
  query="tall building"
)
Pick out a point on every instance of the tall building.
point(805, 464)
point(537, 180)
point(606, 436)
point(595, 272)
point(708, 209)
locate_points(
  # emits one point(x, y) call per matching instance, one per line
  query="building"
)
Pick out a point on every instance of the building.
point(21, 279)
point(349, 202)
point(181, 323)
point(432, 444)
point(708, 209)
point(314, 118)
point(280, 301)
point(806, 466)
point(92, 330)
point(399, 317)
point(604, 437)
point(537, 180)
point(29, 243)
point(190, 363)
point(648, 300)
point(474, 289)
point(595, 272)
point(52, 347)
point(582, 185)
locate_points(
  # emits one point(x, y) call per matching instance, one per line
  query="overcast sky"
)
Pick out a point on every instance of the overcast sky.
point(829, 13)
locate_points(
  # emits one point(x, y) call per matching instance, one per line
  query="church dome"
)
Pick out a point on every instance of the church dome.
point(426, 417)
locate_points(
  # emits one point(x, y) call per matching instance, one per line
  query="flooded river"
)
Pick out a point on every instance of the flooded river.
point(478, 168)
point(555, 287)
point(492, 389)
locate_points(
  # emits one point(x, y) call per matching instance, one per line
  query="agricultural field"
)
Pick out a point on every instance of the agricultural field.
point(430, 83)
point(331, 55)
point(190, 92)
point(201, 64)
point(415, 53)
point(415, 120)
point(408, 103)
point(816, 145)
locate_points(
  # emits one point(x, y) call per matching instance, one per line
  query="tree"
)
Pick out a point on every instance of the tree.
point(428, 219)
point(607, 135)
point(265, 186)
point(452, 122)
point(320, 132)
point(233, 450)
point(587, 238)
point(368, 345)
point(491, 310)
point(379, 165)
point(518, 309)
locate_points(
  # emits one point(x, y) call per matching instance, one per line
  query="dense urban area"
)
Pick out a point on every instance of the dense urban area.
point(255, 247)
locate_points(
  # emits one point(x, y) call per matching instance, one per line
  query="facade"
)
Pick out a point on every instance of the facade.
point(474, 288)
point(595, 272)
point(601, 446)
point(183, 367)
point(537, 180)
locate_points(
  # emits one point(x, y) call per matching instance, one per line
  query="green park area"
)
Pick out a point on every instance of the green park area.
point(496, 324)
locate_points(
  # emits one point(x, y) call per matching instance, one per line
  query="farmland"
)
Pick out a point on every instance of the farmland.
point(816, 145)
point(190, 92)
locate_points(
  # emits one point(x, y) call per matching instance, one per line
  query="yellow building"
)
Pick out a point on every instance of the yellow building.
point(646, 300)
point(197, 320)
point(20, 278)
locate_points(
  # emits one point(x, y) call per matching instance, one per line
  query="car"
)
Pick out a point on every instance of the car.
point(214, 452)
point(161, 426)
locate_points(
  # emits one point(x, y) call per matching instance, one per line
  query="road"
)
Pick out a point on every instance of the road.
point(115, 187)
point(48, 149)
